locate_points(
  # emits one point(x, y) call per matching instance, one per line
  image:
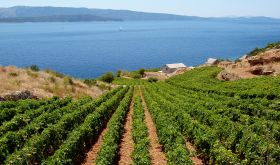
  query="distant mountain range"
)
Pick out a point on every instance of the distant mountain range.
point(66, 14)
point(57, 18)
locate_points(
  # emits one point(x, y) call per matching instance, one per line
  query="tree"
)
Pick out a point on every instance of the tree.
point(34, 68)
point(119, 72)
point(142, 72)
point(108, 77)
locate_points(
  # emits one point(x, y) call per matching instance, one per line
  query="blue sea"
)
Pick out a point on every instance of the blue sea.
point(89, 49)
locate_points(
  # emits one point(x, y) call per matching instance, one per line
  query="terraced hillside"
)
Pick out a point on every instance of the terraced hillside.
point(188, 119)
point(226, 122)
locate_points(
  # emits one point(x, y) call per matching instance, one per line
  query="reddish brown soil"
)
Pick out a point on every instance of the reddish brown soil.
point(196, 160)
point(92, 154)
point(126, 146)
point(268, 60)
point(156, 153)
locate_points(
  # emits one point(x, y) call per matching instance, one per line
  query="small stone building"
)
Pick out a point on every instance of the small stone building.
point(171, 68)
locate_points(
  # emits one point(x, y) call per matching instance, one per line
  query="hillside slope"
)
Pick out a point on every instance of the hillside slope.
point(43, 83)
point(192, 118)
point(259, 62)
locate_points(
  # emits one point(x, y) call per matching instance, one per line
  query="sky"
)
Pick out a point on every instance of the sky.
point(205, 8)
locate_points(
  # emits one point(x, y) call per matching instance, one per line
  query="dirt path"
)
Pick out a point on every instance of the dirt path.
point(126, 146)
point(196, 160)
point(92, 154)
point(156, 153)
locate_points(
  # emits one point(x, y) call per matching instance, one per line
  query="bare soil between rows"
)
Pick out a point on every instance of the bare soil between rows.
point(92, 154)
point(196, 160)
point(156, 153)
point(127, 144)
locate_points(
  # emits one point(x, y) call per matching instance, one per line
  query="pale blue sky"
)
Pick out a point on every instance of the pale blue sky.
point(208, 8)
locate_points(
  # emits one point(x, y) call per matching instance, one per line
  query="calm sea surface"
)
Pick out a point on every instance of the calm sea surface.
point(91, 49)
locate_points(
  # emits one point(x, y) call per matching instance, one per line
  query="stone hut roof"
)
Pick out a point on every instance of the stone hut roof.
point(176, 65)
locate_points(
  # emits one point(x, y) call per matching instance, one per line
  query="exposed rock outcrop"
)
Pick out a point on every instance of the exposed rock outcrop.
point(255, 61)
point(18, 95)
point(226, 75)
point(264, 63)
point(267, 57)
point(262, 70)
point(2, 99)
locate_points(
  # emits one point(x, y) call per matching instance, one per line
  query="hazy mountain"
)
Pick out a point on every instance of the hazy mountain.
point(58, 18)
point(37, 14)
point(126, 15)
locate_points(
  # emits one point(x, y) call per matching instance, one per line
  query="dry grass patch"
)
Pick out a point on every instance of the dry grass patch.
point(44, 84)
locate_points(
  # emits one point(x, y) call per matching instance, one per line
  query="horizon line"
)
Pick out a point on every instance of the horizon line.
point(80, 7)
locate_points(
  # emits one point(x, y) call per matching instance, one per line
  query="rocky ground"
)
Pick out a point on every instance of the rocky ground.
point(264, 63)
point(25, 83)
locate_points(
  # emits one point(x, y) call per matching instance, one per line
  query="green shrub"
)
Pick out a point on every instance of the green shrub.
point(34, 68)
point(119, 72)
point(90, 82)
point(152, 79)
point(68, 81)
point(52, 79)
point(256, 51)
point(13, 74)
point(32, 74)
point(108, 77)
point(57, 74)
point(137, 76)
point(103, 87)
point(274, 45)
point(142, 72)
